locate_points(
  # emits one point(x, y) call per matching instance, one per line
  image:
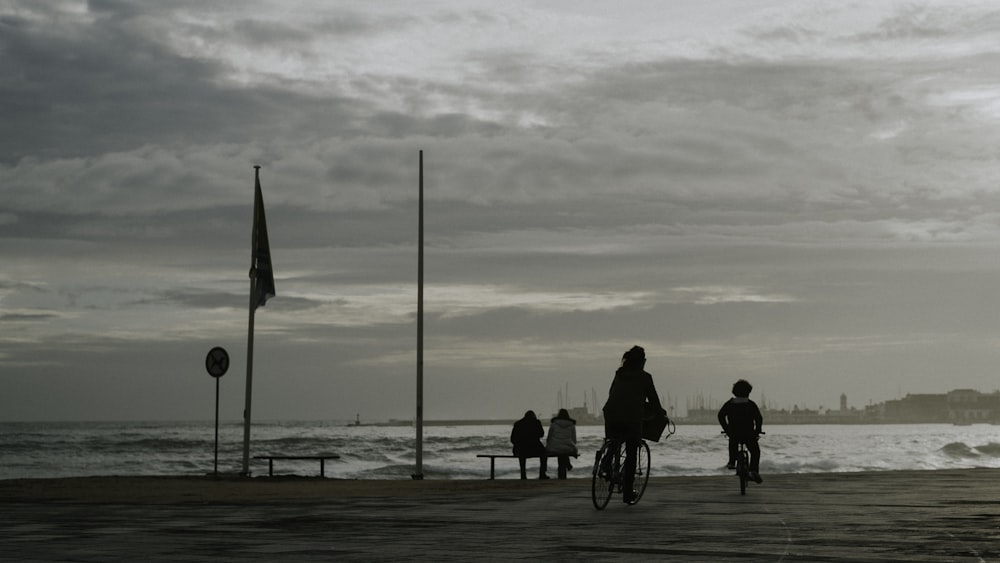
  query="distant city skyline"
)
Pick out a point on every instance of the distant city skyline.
point(797, 193)
point(681, 405)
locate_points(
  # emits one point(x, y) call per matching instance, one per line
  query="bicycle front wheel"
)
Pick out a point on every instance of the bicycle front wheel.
point(602, 486)
point(642, 460)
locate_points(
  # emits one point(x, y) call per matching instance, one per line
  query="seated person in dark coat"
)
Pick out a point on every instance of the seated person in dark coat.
point(527, 439)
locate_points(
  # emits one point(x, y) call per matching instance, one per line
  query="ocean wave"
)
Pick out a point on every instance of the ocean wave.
point(152, 443)
point(991, 449)
point(75, 449)
point(959, 450)
point(816, 465)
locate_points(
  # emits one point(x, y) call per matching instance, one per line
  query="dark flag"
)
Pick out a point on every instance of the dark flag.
point(260, 269)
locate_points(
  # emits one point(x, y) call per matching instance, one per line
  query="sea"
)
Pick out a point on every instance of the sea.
point(74, 449)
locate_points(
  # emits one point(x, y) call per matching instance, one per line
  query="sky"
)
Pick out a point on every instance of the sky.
point(796, 192)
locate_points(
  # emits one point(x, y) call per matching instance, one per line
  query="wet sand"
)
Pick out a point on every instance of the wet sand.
point(876, 517)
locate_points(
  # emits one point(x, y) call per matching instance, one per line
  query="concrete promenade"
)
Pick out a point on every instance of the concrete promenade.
point(871, 517)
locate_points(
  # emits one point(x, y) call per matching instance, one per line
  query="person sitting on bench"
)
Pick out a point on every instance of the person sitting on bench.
point(561, 440)
point(527, 439)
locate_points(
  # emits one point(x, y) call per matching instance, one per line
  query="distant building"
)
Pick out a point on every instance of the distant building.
point(844, 415)
point(960, 406)
point(917, 408)
point(583, 417)
point(969, 406)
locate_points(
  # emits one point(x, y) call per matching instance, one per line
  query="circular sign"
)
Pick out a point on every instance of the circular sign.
point(217, 362)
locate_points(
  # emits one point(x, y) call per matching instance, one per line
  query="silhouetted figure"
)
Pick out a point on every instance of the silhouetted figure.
point(527, 439)
point(631, 390)
point(561, 440)
point(742, 422)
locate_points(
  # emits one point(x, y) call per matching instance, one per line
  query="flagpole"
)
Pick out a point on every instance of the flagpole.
point(420, 330)
point(249, 386)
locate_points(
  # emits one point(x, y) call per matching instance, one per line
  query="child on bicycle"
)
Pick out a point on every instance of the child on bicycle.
point(742, 422)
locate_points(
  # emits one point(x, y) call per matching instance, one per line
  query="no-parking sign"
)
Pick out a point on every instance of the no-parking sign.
point(217, 361)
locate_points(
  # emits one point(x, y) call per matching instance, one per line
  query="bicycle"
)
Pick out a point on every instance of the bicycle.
point(743, 466)
point(608, 475)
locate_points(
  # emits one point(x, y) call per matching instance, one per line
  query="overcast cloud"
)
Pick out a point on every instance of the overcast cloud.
point(798, 193)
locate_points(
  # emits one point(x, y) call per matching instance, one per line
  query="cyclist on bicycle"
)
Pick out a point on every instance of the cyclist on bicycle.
point(631, 390)
point(742, 422)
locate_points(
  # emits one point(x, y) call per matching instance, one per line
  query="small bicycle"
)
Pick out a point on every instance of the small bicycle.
point(608, 474)
point(743, 466)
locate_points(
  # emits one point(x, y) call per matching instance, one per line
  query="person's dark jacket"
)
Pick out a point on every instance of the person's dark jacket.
point(740, 418)
point(630, 390)
point(526, 437)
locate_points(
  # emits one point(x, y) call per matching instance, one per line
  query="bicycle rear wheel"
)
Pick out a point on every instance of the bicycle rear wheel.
point(642, 460)
point(602, 486)
point(743, 469)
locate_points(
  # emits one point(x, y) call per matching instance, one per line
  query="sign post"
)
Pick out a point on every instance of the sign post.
point(217, 363)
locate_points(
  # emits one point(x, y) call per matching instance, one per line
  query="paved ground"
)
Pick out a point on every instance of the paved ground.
point(876, 517)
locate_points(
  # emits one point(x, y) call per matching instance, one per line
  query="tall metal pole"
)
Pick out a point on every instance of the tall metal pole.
point(216, 469)
point(249, 389)
point(419, 474)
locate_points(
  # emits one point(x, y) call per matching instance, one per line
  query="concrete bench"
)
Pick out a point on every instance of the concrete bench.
point(321, 457)
point(493, 460)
